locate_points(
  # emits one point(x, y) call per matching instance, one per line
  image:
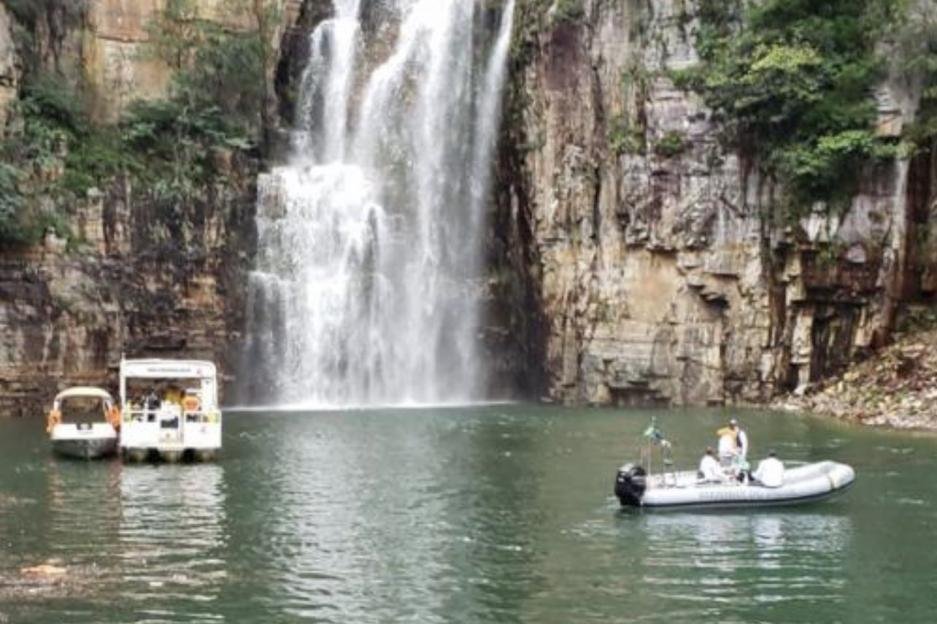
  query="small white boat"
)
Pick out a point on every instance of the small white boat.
point(674, 490)
point(84, 440)
point(171, 429)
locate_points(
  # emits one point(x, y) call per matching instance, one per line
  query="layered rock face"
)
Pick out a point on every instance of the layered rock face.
point(115, 58)
point(149, 279)
point(9, 70)
point(633, 258)
point(141, 275)
point(642, 257)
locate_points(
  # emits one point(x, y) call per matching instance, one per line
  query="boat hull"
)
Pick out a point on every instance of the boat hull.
point(86, 448)
point(205, 455)
point(804, 484)
point(93, 441)
point(171, 436)
point(171, 456)
point(135, 455)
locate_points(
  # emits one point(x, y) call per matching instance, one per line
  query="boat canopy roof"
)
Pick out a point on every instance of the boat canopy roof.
point(86, 392)
point(167, 369)
point(204, 372)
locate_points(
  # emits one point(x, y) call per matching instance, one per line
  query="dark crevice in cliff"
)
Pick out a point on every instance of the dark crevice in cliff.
point(919, 281)
point(294, 50)
point(43, 27)
point(599, 156)
point(516, 338)
point(516, 327)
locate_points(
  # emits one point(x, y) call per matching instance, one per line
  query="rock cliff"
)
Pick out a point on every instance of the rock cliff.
point(9, 69)
point(112, 44)
point(897, 388)
point(148, 279)
point(633, 258)
point(142, 272)
point(644, 260)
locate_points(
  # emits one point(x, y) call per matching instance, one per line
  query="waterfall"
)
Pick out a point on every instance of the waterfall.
point(368, 279)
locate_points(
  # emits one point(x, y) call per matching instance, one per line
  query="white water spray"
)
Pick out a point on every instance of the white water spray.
point(368, 278)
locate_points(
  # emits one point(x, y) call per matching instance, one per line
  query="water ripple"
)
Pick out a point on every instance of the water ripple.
point(421, 516)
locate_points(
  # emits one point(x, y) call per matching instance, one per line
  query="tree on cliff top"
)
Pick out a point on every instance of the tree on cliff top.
point(218, 66)
point(792, 82)
point(173, 146)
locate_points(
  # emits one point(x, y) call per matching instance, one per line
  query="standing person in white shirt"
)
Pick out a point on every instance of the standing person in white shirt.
point(770, 472)
point(709, 469)
point(728, 446)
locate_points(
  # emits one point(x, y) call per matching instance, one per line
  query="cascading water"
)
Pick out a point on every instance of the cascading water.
point(368, 278)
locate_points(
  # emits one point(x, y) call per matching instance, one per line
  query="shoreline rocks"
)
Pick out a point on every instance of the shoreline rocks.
point(895, 388)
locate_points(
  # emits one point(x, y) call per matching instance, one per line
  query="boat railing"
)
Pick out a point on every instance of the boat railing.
point(201, 416)
point(664, 463)
point(151, 415)
point(139, 415)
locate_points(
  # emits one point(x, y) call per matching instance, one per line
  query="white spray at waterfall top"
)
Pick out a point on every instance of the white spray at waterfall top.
point(368, 282)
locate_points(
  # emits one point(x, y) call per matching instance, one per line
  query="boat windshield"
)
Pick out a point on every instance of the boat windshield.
point(82, 410)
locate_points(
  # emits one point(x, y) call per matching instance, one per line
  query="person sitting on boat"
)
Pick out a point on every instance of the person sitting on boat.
point(173, 395)
point(191, 403)
point(770, 472)
point(709, 469)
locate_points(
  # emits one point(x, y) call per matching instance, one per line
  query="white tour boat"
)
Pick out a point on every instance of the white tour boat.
point(84, 440)
point(156, 423)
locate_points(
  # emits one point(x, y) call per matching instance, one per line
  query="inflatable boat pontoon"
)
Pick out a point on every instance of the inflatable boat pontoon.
point(675, 490)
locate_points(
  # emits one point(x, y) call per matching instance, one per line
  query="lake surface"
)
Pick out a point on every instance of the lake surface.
point(494, 514)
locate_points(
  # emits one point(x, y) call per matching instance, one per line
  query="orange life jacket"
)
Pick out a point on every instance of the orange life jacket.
point(113, 417)
point(54, 418)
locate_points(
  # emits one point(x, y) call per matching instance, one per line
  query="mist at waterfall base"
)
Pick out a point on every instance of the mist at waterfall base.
point(368, 282)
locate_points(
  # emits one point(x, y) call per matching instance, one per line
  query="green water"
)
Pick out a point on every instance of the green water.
point(497, 514)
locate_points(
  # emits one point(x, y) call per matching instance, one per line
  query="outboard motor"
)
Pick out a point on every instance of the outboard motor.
point(630, 484)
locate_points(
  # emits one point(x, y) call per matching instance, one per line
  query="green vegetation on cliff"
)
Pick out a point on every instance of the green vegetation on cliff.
point(671, 144)
point(37, 161)
point(568, 10)
point(170, 147)
point(40, 27)
point(217, 69)
point(916, 59)
point(793, 82)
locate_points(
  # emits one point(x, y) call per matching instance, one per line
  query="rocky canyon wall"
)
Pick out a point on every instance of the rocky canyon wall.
point(633, 258)
point(641, 260)
point(141, 273)
point(149, 279)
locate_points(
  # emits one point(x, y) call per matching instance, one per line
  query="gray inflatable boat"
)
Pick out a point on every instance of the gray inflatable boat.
point(678, 490)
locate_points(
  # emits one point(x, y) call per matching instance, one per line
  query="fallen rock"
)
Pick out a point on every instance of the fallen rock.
point(45, 570)
point(897, 387)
